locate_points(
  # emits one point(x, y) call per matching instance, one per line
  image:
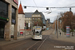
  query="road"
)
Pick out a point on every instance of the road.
point(46, 44)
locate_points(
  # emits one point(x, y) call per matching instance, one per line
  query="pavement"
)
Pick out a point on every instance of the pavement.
point(26, 35)
point(63, 36)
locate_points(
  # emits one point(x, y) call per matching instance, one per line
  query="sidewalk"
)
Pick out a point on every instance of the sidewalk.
point(19, 38)
point(63, 37)
point(26, 34)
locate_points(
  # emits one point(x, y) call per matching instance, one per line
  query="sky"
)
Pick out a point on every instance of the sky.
point(48, 3)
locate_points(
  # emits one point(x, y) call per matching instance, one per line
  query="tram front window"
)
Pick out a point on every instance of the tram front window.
point(38, 33)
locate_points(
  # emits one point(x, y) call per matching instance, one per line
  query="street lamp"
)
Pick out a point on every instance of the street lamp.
point(57, 25)
point(60, 22)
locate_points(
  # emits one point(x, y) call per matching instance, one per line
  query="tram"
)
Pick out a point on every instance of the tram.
point(37, 33)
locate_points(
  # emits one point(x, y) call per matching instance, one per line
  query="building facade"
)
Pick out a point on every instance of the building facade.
point(48, 23)
point(38, 18)
point(21, 19)
point(8, 17)
point(34, 19)
point(28, 20)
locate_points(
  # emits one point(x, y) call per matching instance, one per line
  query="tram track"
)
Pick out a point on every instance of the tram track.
point(32, 46)
point(42, 43)
point(37, 45)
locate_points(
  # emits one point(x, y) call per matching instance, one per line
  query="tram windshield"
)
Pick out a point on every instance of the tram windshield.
point(38, 33)
point(38, 30)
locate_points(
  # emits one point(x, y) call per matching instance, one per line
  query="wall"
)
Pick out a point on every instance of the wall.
point(21, 21)
point(7, 32)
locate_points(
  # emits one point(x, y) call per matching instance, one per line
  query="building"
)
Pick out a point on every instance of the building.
point(21, 19)
point(28, 19)
point(38, 18)
point(8, 17)
point(48, 23)
point(33, 17)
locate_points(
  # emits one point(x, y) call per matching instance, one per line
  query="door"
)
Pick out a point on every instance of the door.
point(1, 32)
point(2, 25)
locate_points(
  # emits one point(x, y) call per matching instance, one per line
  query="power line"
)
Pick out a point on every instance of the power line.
point(49, 7)
point(35, 3)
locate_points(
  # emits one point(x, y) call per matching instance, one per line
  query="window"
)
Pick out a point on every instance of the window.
point(13, 15)
point(38, 18)
point(3, 9)
point(33, 18)
point(29, 18)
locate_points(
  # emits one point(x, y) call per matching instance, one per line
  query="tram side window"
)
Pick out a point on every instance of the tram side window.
point(3, 9)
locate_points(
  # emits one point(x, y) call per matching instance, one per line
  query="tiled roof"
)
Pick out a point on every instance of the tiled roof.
point(20, 10)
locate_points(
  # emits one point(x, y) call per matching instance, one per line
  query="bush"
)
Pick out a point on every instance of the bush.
point(72, 30)
point(63, 30)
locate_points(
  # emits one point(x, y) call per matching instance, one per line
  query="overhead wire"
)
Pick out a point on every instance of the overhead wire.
point(52, 7)
point(35, 3)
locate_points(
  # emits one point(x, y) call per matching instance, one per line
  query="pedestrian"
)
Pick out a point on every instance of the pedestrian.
point(60, 33)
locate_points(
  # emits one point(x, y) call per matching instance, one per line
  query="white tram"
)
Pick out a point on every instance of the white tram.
point(37, 32)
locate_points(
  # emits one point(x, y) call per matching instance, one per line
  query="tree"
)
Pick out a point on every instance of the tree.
point(40, 23)
point(66, 19)
point(73, 22)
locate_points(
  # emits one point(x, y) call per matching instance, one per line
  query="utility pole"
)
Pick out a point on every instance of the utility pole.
point(71, 24)
point(70, 9)
point(57, 26)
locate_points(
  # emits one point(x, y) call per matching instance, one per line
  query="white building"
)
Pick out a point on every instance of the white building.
point(21, 19)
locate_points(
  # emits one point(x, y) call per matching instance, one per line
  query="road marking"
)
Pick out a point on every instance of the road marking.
point(32, 45)
point(41, 44)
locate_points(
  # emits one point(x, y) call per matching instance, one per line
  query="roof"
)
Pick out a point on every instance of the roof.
point(36, 12)
point(28, 15)
point(20, 10)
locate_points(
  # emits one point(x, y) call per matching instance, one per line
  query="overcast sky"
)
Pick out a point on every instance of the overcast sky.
point(48, 3)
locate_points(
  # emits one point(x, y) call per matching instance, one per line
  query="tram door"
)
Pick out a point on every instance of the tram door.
point(2, 25)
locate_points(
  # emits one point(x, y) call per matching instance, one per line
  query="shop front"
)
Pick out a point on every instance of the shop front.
point(3, 17)
point(8, 17)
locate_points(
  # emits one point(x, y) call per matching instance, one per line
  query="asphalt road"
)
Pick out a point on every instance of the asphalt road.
point(45, 44)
